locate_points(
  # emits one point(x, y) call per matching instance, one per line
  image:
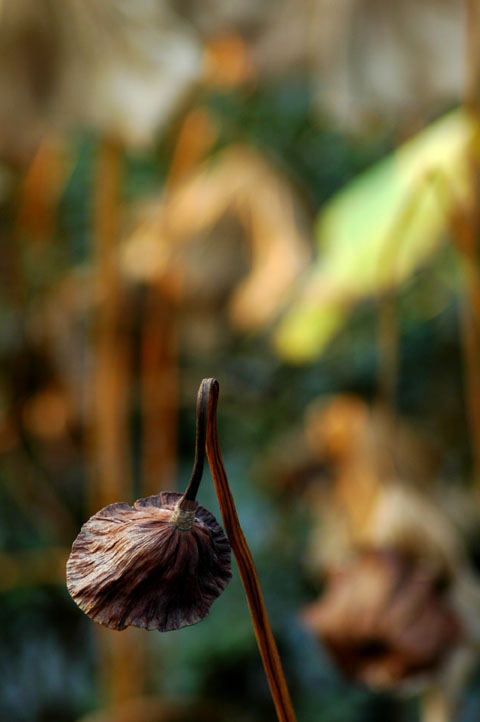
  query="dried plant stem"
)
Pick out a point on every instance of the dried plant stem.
point(120, 656)
point(472, 75)
point(200, 441)
point(109, 437)
point(40, 191)
point(470, 336)
point(159, 391)
point(466, 232)
point(196, 137)
point(208, 398)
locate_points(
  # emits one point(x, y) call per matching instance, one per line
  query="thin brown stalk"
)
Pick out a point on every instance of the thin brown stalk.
point(464, 238)
point(208, 398)
point(159, 391)
point(466, 231)
point(472, 70)
point(110, 366)
point(119, 655)
point(195, 139)
point(40, 192)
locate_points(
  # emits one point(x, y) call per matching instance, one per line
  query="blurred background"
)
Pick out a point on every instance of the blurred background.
point(283, 196)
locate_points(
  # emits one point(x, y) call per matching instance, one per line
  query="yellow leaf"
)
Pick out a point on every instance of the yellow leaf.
point(379, 229)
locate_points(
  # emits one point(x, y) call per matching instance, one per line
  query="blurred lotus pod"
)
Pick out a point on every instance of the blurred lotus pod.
point(385, 619)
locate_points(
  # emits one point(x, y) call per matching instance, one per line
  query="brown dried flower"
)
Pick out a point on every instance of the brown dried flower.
point(162, 563)
point(385, 619)
point(158, 565)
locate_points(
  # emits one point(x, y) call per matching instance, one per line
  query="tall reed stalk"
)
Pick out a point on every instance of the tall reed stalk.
point(121, 656)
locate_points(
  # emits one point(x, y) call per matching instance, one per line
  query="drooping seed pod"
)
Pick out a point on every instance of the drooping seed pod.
point(158, 565)
point(162, 563)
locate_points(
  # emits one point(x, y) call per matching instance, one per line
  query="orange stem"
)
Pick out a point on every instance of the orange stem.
point(466, 238)
point(208, 392)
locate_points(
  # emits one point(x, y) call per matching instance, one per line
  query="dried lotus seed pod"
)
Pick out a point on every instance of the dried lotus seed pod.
point(385, 619)
point(158, 565)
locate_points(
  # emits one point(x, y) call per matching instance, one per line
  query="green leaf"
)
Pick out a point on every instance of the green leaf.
point(378, 230)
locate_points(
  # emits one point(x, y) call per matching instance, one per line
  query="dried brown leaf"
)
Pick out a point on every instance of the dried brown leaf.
point(385, 619)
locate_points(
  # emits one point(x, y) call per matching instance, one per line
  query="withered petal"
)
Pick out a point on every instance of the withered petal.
point(384, 620)
point(130, 567)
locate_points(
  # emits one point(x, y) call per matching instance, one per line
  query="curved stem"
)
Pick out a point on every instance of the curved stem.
point(209, 389)
point(195, 479)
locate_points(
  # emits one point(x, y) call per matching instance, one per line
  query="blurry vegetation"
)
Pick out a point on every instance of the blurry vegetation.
point(82, 393)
